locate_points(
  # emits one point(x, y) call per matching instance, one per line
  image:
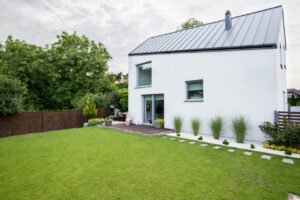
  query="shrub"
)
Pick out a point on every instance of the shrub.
point(200, 138)
point(177, 124)
point(252, 146)
point(289, 135)
point(288, 151)
point(240, 127)
point(94, 123)
point(225, 142)
point(96, 120)
point(123, 95)
point(100, 100)
point(90, 110)
point(160, 121)
point(11, 95)
point(196, 126)
point(216, 127)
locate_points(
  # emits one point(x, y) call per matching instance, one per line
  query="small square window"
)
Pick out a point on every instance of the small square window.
point(194, 90)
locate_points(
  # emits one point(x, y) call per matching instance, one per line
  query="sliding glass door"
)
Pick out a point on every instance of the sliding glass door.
point(153, 108)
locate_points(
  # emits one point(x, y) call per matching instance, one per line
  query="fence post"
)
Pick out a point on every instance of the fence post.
point(276, 116)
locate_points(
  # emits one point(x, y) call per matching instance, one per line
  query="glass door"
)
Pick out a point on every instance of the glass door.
point(153, 108)
point(148, 109)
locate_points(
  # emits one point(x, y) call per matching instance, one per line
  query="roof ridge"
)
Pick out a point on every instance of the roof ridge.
point(217, 21)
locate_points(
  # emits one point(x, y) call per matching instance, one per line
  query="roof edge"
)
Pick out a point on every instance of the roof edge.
point(264, 46)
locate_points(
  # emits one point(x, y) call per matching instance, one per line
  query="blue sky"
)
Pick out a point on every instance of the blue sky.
point(122, 25)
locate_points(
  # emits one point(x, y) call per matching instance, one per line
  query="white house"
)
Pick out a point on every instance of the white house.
point(235, 66)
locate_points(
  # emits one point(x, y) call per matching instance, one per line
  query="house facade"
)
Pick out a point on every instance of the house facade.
point(227, 68)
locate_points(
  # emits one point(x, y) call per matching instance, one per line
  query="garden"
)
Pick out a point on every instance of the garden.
point(101, 163)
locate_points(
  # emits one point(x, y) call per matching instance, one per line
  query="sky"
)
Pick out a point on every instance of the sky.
point(122, 25)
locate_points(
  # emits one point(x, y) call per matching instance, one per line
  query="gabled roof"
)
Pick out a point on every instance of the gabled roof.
point(254, 30)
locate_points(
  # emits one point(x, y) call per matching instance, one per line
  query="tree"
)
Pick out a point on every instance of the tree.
point(59, 73)
point(90, 110)
point(123, 95)
point(292, 100)
point(189, 23)
point(11, 95)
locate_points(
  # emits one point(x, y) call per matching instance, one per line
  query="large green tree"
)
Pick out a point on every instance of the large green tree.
point(58, 73)
point(189, 23)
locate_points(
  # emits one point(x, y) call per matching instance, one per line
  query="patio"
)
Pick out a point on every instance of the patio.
point(140, 129)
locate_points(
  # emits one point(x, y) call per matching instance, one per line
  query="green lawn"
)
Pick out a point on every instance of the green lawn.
point(98, 163)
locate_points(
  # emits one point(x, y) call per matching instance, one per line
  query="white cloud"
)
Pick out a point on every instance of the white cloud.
point(122, 25)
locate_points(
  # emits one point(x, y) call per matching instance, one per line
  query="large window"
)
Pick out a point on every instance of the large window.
point(144, 74)
point(194, 90)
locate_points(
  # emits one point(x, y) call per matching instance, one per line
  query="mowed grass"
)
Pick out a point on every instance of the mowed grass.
point(99, 163)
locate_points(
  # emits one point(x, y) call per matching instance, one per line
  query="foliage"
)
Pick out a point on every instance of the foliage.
point(57, 74)
point(96, 120)
point(270, 145)
point(216, 126)
point(160, 121)
point(252, 146)
point(90, 110)
point(289, 135)
point(100, 100)
point(114, 99)
point(121, 80)
point(288, 152)
point(225, 142)
point(94, 123)
point(177, 123)
point(200, 138)
point(189, 23)
point(240, 127)
point(11, 95)
point(196, 126)
point(292, 101)
point(123, 94)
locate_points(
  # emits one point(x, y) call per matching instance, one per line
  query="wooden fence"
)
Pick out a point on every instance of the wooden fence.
point(292, 117)
point(34, 122)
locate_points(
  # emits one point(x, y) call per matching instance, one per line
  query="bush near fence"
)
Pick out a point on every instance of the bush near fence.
point(34, 122)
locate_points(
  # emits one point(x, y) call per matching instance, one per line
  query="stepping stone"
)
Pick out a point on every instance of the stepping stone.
point(268, 157)
point(217, 147)
point(248, 153)
point(181, 140)
point(192, 142)
point(287, 160)
point(231, 150)
point(203, 145)
point(293, 197)
point(172, 138)
point(164, 137)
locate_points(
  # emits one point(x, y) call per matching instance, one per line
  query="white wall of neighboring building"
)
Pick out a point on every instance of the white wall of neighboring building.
point(240, 82)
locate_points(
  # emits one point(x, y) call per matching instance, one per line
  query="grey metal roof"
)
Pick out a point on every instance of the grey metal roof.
point(253, 30)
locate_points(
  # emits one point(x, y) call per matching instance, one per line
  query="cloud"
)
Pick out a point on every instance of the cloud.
point(122, 25)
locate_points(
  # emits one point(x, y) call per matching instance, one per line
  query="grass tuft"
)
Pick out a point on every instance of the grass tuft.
point(240, 127)
point(216, 126)
point(177, 124)
point(196, 126)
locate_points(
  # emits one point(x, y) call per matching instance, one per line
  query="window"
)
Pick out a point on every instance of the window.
point(144, 74)
point(194, 90)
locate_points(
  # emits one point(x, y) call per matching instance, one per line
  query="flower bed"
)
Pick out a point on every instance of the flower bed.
point(269, 145)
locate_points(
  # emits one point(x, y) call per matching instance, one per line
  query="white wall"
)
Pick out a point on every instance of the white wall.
point(235, 82)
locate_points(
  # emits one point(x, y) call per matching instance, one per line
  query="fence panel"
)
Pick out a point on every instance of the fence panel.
point(34, 122)
point(292, 117)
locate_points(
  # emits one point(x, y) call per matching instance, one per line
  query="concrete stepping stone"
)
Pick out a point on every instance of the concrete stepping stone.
point(287, 160)
point(203, 145)
point(268, 157)
point(248, 153)
point(217, 147)
point(172, 138)
point(181, 140)
point(192, 142)
point(293, 197)
point(231, 150)
point(164, 137)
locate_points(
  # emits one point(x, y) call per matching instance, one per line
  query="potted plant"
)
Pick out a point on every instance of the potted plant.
point(108, 122)
point(159, 123)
